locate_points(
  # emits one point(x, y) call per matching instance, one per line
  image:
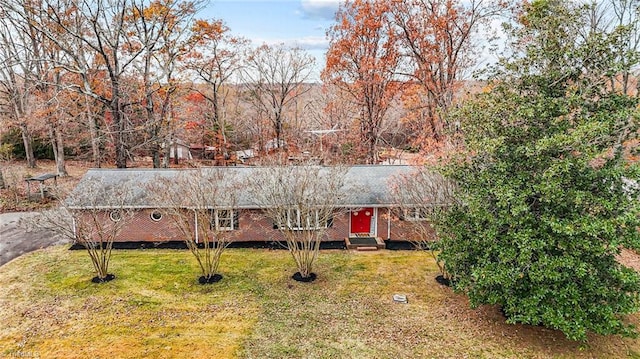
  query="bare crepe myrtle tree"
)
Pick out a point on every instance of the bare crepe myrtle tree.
point(422, 196)
point(301, 201)
point(92, 215)
point(202, 204)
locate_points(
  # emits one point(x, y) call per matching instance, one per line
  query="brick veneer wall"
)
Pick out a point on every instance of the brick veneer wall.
point(254, 226)
point(141, 228)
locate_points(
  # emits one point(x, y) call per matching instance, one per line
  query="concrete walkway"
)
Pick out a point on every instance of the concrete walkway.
point(16, 241)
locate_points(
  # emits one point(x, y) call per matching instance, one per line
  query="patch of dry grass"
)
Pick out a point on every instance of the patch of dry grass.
point(155, 308)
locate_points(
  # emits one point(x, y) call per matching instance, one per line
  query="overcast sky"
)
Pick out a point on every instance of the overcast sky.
point(294, 22)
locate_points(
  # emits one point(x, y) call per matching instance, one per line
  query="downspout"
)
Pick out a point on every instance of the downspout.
point(195, 215)
point(73, 227)
point(388, 223)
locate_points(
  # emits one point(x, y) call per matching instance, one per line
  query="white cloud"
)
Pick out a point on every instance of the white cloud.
point(319, 9)
point(306, 43)
point(312, 42)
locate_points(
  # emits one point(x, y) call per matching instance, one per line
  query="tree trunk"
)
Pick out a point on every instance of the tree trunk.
point(154, 135)
point(372, 156)
point(278, 132)
point(95, 140)
point(154, 122)
point(59, 153)
point(175, 153)
point(156, 147)
point(28, 148)
point(155, 153)
point(119, 124)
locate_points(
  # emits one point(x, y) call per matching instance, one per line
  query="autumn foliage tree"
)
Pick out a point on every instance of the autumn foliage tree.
point(162, 28)
point(85, 32)
point(215, 59)
point(362, 61)
point(438, 47)
point(96, 46)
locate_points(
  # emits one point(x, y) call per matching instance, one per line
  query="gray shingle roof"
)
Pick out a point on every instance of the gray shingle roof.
point(369, 185)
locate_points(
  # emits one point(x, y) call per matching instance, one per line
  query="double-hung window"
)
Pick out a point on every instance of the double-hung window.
point(297, 220)
point(224, 219)
point(417, 213)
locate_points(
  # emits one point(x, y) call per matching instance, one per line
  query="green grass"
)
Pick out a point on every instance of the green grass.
point(155, 308)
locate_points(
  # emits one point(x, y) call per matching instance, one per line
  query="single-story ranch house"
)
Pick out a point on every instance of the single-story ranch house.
point(369, 211)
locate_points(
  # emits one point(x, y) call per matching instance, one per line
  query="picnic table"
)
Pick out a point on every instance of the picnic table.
point(40, 179)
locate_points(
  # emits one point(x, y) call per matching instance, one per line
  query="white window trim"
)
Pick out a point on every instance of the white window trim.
point(294, 221)
point(417, 214)
point(217, 219)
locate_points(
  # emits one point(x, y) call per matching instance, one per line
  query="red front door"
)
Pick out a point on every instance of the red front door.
point(361, 221)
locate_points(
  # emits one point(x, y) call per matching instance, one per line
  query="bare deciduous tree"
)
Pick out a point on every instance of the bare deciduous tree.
point(22, 68)
point(93, 38)
point(422, 196)
point(301, 201)
point(274, 77)
point(93, 215)
point(202, 205)
point(618, 22)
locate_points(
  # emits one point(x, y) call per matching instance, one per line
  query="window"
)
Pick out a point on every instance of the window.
point(224, 219)
point(156, 216)
point(115, 216)
point(296, 220)
point(417, 213)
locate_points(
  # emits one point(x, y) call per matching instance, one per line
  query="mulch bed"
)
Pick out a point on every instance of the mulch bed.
point(442, 280)
point(210, 280)
point(298, 277)
point(108, 278)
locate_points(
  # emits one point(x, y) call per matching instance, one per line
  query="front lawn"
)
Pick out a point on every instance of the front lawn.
point(155, 308)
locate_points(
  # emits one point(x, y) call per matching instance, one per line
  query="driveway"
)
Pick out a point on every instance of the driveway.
point(16, 241)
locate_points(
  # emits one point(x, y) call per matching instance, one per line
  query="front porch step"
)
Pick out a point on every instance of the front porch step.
point(364, 242)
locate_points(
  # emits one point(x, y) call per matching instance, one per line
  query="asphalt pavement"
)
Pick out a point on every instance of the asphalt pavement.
point(16, 241)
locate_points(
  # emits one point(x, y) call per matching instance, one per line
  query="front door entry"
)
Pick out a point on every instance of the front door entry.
point(361, 221)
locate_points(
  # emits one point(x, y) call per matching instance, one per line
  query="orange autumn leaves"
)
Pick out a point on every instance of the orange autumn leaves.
point(422, 47)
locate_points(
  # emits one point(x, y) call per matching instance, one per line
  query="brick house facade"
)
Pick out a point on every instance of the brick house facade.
point(255, 227)
point(370, 213)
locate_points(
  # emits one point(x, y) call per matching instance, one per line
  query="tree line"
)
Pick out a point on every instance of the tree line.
point(129, 77)
point(126, 77)
point(116, 74)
